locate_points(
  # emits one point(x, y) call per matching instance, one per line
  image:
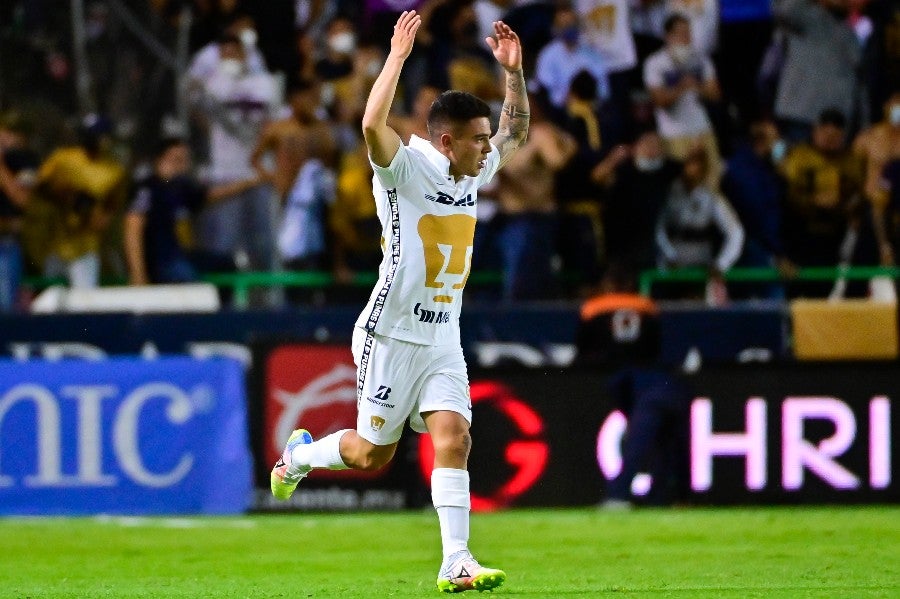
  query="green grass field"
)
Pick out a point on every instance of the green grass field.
point(770, 552)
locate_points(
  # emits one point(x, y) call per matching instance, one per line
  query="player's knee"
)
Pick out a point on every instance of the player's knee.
point(453, 446)
point(375, 457)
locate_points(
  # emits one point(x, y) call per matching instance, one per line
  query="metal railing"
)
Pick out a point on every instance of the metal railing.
point(241, 283)
point(766, 275)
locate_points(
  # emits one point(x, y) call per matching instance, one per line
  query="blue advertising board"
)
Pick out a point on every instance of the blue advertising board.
point(123, 436)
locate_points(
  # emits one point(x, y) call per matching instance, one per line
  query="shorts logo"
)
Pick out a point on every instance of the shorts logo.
point(381, 396)
point(377, 423)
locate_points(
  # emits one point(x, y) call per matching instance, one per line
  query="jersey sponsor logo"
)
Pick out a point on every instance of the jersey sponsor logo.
point(431, 316)
point(448, 200)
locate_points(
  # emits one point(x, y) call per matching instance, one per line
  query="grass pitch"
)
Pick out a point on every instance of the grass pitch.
point(765, 552)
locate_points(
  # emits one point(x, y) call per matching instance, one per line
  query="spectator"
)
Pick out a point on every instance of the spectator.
point(158, 241)
point(469, 66)
point(567, 55)
point(416, 123)
point(354, 221)
point(303, 222)
point(18, 168)
point(703, 16)
point(639, 179)
point(79, 190)
point(527, 201)
point(756, 191)
point(691, 223)
point(237, 102)
point(271, 156)
point(680, 80)
point(823, 194)
point(878, 146)
point(884, 74)
point(347, 70)
point(205, 63)
point(458, 56)
point(820, 67)
point(606, 26)
point(619, 329)
point(581, 226)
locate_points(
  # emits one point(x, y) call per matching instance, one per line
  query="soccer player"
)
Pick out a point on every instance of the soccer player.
point(406, 343)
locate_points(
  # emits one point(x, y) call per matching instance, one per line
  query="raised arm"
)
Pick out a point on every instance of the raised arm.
point(382, 141)
point(513, 127)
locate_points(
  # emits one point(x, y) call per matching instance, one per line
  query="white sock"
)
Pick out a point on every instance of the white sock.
point(450, 495)
point(324, 453)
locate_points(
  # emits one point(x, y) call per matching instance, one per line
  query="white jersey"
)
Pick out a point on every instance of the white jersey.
point(428, 224)
point(606, 25)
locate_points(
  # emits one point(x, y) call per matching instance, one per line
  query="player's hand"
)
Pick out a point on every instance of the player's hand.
point(506, 46)
point(405, 33)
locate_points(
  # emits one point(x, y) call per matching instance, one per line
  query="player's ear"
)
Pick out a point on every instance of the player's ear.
point(446, 140)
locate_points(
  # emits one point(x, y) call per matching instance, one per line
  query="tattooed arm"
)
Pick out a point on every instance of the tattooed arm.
point(513, 127)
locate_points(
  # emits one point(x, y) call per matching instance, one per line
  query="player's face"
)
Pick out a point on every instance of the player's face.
point(469, 146)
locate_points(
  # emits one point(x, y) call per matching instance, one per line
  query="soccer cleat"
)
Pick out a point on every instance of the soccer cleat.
point(284, 477)
point(461, 572)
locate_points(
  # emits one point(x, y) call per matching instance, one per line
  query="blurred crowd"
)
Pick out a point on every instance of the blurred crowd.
point(665, 134)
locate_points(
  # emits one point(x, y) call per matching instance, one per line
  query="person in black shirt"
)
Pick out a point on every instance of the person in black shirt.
point(157, 237)
point(639, 178)
point(620, 330)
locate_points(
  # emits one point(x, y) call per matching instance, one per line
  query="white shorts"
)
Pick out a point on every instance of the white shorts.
point(398, 380)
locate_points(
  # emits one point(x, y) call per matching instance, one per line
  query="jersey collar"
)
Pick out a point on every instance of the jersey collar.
point(431, 153)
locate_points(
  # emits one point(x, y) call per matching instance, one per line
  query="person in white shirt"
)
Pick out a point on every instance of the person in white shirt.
point(237, 102)
point(406, 342)
point(679, 80)
point(606, 25)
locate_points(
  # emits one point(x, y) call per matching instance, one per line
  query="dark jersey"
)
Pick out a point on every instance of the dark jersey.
point(165, 204)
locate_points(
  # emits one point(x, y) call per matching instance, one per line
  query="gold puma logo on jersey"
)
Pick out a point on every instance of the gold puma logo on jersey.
point(447, 242)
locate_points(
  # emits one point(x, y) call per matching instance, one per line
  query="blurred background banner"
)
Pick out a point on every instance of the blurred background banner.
point(753, 434)
point(123, 436)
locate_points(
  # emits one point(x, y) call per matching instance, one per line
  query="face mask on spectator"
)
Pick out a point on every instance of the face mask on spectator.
point(570, 34)
point(249, 38)
point(779, 149)
point(342, 43)
point(231, 67)
point(894, 115)
point(646, 164)
point(682, 52)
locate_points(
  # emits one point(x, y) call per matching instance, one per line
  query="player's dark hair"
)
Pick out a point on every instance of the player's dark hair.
point(454, 108)
point(672, 20)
